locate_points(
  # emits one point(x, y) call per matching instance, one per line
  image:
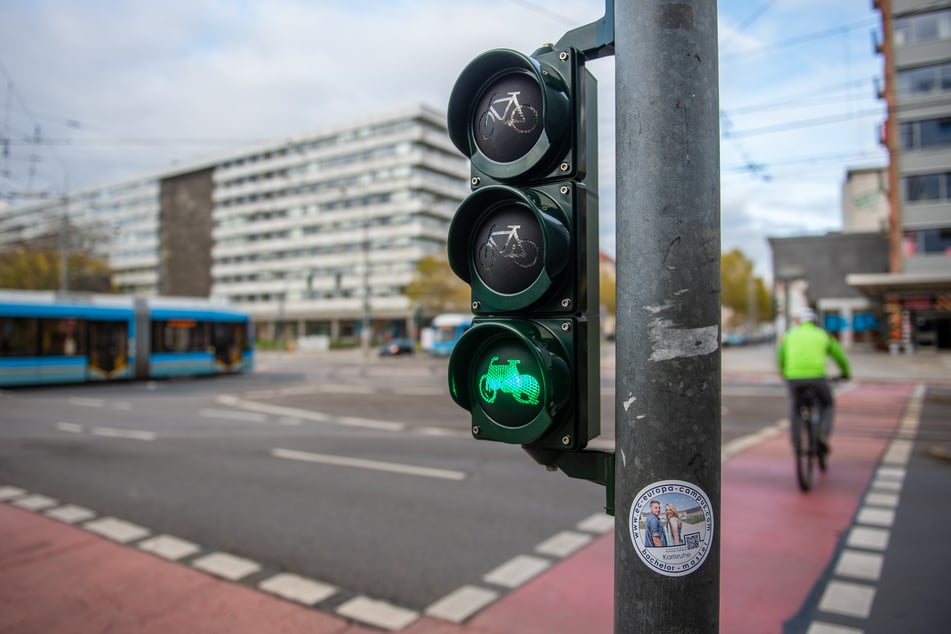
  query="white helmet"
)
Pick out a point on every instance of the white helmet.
point(807, 314)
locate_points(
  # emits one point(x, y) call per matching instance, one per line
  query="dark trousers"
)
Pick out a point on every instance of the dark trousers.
point(826, 404)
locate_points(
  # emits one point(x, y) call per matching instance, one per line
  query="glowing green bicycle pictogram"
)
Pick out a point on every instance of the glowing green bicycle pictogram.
point(524, 388)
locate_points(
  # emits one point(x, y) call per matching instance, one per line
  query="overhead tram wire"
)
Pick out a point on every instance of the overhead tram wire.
point(801, 39)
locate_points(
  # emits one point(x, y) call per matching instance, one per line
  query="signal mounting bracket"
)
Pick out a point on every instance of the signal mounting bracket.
point(596, 39)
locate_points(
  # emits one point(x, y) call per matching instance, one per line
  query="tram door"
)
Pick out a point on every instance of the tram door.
point(228, 340)
point(108, 355)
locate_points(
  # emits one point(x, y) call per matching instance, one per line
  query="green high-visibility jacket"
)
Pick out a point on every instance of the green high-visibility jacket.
point(803, 352)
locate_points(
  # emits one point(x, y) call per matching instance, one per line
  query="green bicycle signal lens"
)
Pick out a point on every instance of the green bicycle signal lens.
point(509, 383)
point(509, 248)
point(507, 118)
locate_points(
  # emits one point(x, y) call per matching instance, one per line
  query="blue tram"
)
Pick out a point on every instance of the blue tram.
point(48, 337)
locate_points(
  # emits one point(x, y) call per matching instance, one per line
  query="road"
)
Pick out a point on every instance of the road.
point(362, 476)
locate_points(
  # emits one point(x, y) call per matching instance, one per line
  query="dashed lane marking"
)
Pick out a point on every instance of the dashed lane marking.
point(35, 502)
point(299, 589)
point(867, 541)
point(10, 493)
point(126, 434)
point(70, 428)
point(517, 571)
point(117, 530)
point(87, 402)
point(848, 599)
point(374, 465)
point(377, 613)
point(599, 523)
point(456, 607)
point(226, 566)
point(461, 604)
point(71, 514)
point(169, 547)
point(563, 544)
point(231, 414)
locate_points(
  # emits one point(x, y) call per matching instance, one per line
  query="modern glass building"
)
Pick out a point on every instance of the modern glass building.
point(314, 235)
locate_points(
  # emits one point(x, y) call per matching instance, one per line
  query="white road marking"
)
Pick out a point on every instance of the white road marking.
point(600, 523)
point(9, 493)
point(461, 604)
point(860, 565)
point(127, 434)
point(421, 391)
point(886, 485)
point(563, 544)
point(116, 529)
point(739, 445)
point(888, 500)
point(898, 453)
point(868, 538)
point(871, 516)
point(300, 589)
point(87, 402)
point(377, 613)
point(890, 473)
point(35, 502)
point(71, 514)
point(169, 547)
point(122, 406)
point(817, 627)
point(517, 571)
point(230, 414)
point(226, 566)
point(850, 599)
point(369, 423)
point(72, 428)
point(373, 465)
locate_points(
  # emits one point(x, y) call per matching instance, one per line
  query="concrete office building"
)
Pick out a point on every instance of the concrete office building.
point(312, 234)
point(916, 292)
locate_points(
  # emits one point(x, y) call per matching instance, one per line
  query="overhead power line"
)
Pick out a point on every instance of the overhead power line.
point(801, 39)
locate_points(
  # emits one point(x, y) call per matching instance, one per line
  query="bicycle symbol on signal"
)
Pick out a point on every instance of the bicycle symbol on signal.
point(520, 118)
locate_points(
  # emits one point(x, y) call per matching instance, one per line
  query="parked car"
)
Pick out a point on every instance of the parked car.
point(397, 347)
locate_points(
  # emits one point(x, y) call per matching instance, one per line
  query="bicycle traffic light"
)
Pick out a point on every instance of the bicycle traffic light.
point(525, 240)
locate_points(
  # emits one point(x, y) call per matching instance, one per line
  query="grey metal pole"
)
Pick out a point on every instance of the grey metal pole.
point(667, 410)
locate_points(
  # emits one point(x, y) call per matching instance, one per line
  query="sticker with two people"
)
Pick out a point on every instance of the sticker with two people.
point(672, 527)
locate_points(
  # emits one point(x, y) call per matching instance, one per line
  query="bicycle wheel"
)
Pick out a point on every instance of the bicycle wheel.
point(487, 256)
point(804, 440)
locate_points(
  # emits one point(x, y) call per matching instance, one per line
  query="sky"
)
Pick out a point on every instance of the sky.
point(100, 91)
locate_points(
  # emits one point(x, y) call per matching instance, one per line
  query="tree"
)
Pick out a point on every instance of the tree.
point(436, 289)
point(737, 282)
point(36, 268)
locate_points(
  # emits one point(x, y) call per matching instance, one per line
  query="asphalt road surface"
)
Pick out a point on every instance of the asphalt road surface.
point(362, 475)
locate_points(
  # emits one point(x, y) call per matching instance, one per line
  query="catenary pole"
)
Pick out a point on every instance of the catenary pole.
point(668, 315)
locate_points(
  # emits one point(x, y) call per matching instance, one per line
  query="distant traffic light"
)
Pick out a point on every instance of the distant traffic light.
point(525, 240)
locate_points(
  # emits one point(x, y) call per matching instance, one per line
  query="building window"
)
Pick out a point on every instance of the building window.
point(927, 242)
point(923, 27)
point(928, 133)
point(927, 187)
point(924, 80)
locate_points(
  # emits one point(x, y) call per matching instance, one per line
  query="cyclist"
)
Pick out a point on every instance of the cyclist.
point(802, 362)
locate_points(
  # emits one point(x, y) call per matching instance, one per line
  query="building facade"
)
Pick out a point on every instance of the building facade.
point(916, 292)
point(316, 235)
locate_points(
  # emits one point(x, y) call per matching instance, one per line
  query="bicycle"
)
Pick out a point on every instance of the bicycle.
point(515, 116)
point(523, 253)
point(523, 388)
point(809, 452)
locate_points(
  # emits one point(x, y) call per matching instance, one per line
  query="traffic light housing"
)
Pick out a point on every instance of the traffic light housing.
point(526, 241)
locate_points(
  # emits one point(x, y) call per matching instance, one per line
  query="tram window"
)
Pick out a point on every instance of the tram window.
point(17, 337)
point(179, 335)
point(62, 337)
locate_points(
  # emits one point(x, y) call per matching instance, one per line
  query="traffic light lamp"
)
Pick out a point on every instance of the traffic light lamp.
point(525, 240)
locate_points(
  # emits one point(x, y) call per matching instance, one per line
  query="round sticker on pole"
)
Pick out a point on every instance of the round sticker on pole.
point(671, 525)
